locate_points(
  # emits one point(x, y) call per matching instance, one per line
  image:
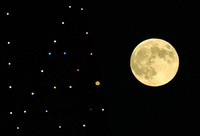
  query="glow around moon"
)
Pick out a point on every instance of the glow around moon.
point(154, 62)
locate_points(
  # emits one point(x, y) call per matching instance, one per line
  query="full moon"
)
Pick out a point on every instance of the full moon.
point(154, 62)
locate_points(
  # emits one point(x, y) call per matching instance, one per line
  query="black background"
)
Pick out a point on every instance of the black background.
point(115, 28)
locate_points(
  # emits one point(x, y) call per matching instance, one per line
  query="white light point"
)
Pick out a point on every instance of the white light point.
point(32, 93)
point(63, 23)
point(17, 128)
point(54, 87)
point(70, 86)
point(9, 63)
point(7, 13)
point(70, 6)
point(81, 8)
point(102, 109)
point(59, 126)
point(10, 87)
point(8, 42)
point(42, 71)
point(54, 41)
point(11, 113)
point(46, 111)
point(84, 125)
point(24, 111)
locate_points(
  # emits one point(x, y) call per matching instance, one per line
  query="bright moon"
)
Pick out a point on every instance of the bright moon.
point(154, 62)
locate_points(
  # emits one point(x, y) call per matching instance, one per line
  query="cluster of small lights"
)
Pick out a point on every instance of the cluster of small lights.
point(9, 63)
point(97, 83)
point(11, 113)
point(84, 125)
point(101, 109)
point(64, 53)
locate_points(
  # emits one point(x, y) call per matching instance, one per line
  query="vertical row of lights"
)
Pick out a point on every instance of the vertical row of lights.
point(9, 64)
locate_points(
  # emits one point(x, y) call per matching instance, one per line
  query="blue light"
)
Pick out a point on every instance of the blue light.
point(49, 53)
point(65, 53)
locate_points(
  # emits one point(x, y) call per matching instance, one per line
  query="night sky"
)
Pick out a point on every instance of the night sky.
point(65, 68)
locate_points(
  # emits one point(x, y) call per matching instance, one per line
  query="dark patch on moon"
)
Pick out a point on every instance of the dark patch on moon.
point(145, 70)
point(142, 54)
point(162, 53)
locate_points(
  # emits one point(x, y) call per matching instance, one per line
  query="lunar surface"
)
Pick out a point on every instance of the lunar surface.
point(154, 62)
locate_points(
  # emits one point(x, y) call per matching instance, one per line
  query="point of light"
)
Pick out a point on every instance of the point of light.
point(24, 111)
point(84, 125)
point(59, 126)
point(11, 113)
point(64, 53)
point(77, 69)
point(17, 128)
point(32, 93)
point(10, 87)
point(70, 6)
point(90, 109)
point(63, 23)
point(42, 71)
point(54, 87)
point(9, 63)
point(54, 41)
point(86, 33)
point(70, 86)
point(7, 13)
point(102, 109)
point(91, 53)
point(46, 111)
point(97, 83)
point(49, 53)
point(8, 42)
point(81, 8)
